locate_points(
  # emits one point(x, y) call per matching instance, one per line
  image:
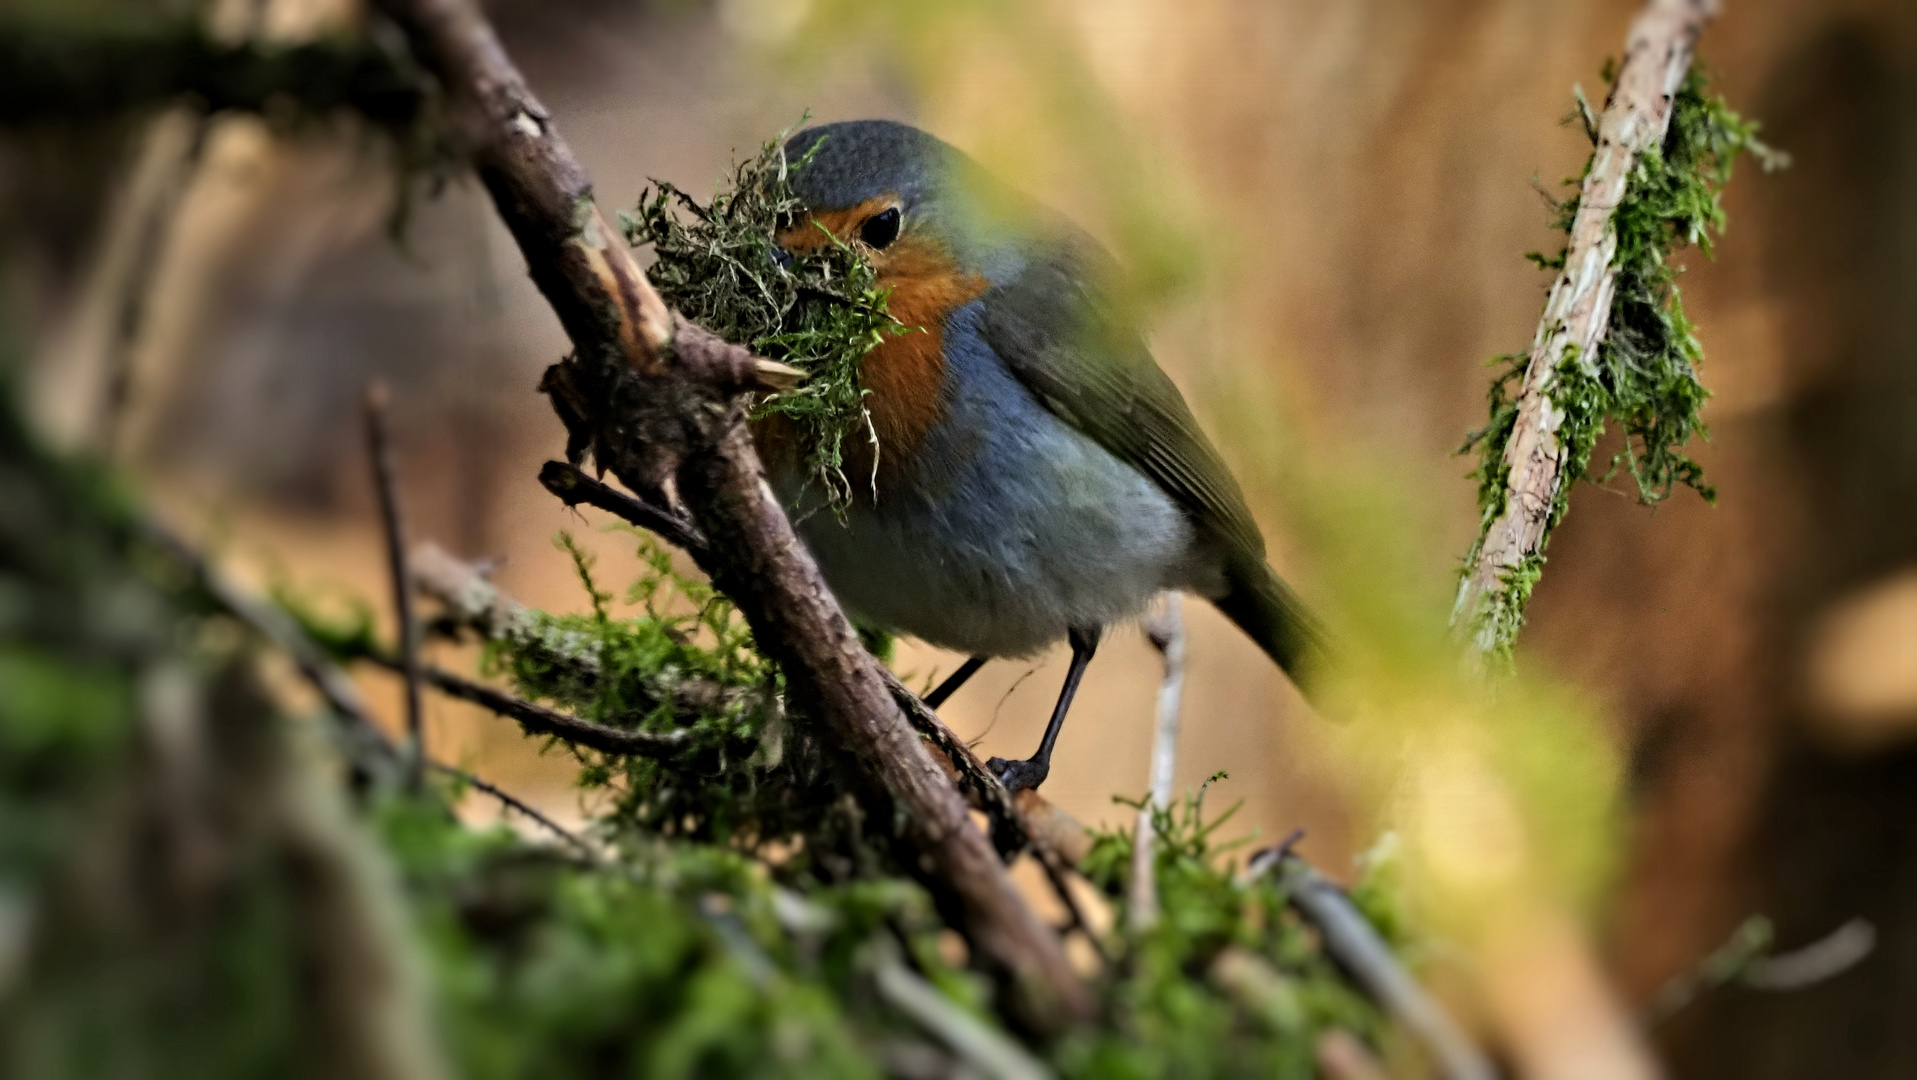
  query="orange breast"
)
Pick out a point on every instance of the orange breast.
point(905, 374)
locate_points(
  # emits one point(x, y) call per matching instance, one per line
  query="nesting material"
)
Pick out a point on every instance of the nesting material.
point(720, 265)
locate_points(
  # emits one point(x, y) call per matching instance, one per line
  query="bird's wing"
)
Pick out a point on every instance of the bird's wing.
point(1053, 327)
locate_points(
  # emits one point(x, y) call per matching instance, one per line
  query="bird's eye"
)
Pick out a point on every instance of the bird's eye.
point(880, 229)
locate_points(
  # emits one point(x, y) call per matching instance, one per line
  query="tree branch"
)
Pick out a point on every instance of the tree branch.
point(51, 72)
point(473, 602)
point(657, 401)
point(1657, 56)
point(268, 620)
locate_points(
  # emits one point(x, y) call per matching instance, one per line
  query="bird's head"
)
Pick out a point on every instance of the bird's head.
point(914, 205)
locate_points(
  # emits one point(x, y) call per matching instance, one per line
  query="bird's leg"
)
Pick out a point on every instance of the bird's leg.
point(953, 681)
point(1018, 775)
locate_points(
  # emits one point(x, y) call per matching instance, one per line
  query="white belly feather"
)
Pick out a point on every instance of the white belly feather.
point(1042, 531)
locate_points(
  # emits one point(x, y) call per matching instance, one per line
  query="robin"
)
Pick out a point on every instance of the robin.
point(1036, 476)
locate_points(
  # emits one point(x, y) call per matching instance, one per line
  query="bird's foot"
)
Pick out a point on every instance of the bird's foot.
point(1017, 776)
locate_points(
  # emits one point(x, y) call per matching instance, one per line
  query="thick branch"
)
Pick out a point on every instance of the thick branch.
point(50, 73)
point(1637, 115)
point(794, 616)
point(664, 417)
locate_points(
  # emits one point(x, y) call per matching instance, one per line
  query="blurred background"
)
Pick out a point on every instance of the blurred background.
point(1325, 207)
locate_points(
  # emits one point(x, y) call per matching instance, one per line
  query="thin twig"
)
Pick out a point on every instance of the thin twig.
point(1350, 940)
point(1826, 958)
point(335, 687)
point(1166, 632)
point(379, 445)
point(539, 719)
point(1012, 821)
point(999, 709)
point(574, 486)
point(513, 802)
point(975, 781)
point(1744, 960)
point(1059, 874)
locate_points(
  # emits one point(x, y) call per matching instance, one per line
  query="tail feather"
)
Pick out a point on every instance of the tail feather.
point(1266, 609)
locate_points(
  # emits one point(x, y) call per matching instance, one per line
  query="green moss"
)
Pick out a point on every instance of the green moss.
point(1644, 374)
point(684, 630)
point(680, 961)
point(718, 263)
point(1172, 1011)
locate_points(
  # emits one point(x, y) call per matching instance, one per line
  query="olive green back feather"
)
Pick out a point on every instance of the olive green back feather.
point(1053, 327)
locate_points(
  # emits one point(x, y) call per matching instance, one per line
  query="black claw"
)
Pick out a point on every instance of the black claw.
point(1017, 776)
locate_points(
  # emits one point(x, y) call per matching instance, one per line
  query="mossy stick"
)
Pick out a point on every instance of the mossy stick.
point(1508, 557)
point(471, 602)
point(1056, 840)
point(283, 632)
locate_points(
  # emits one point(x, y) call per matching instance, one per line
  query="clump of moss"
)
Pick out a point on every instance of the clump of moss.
point(1644, 374)
point(624, 672)
point(748, 777)
point(720, 265)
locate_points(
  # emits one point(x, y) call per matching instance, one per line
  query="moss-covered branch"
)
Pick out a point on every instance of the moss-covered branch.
point(1614, 345)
